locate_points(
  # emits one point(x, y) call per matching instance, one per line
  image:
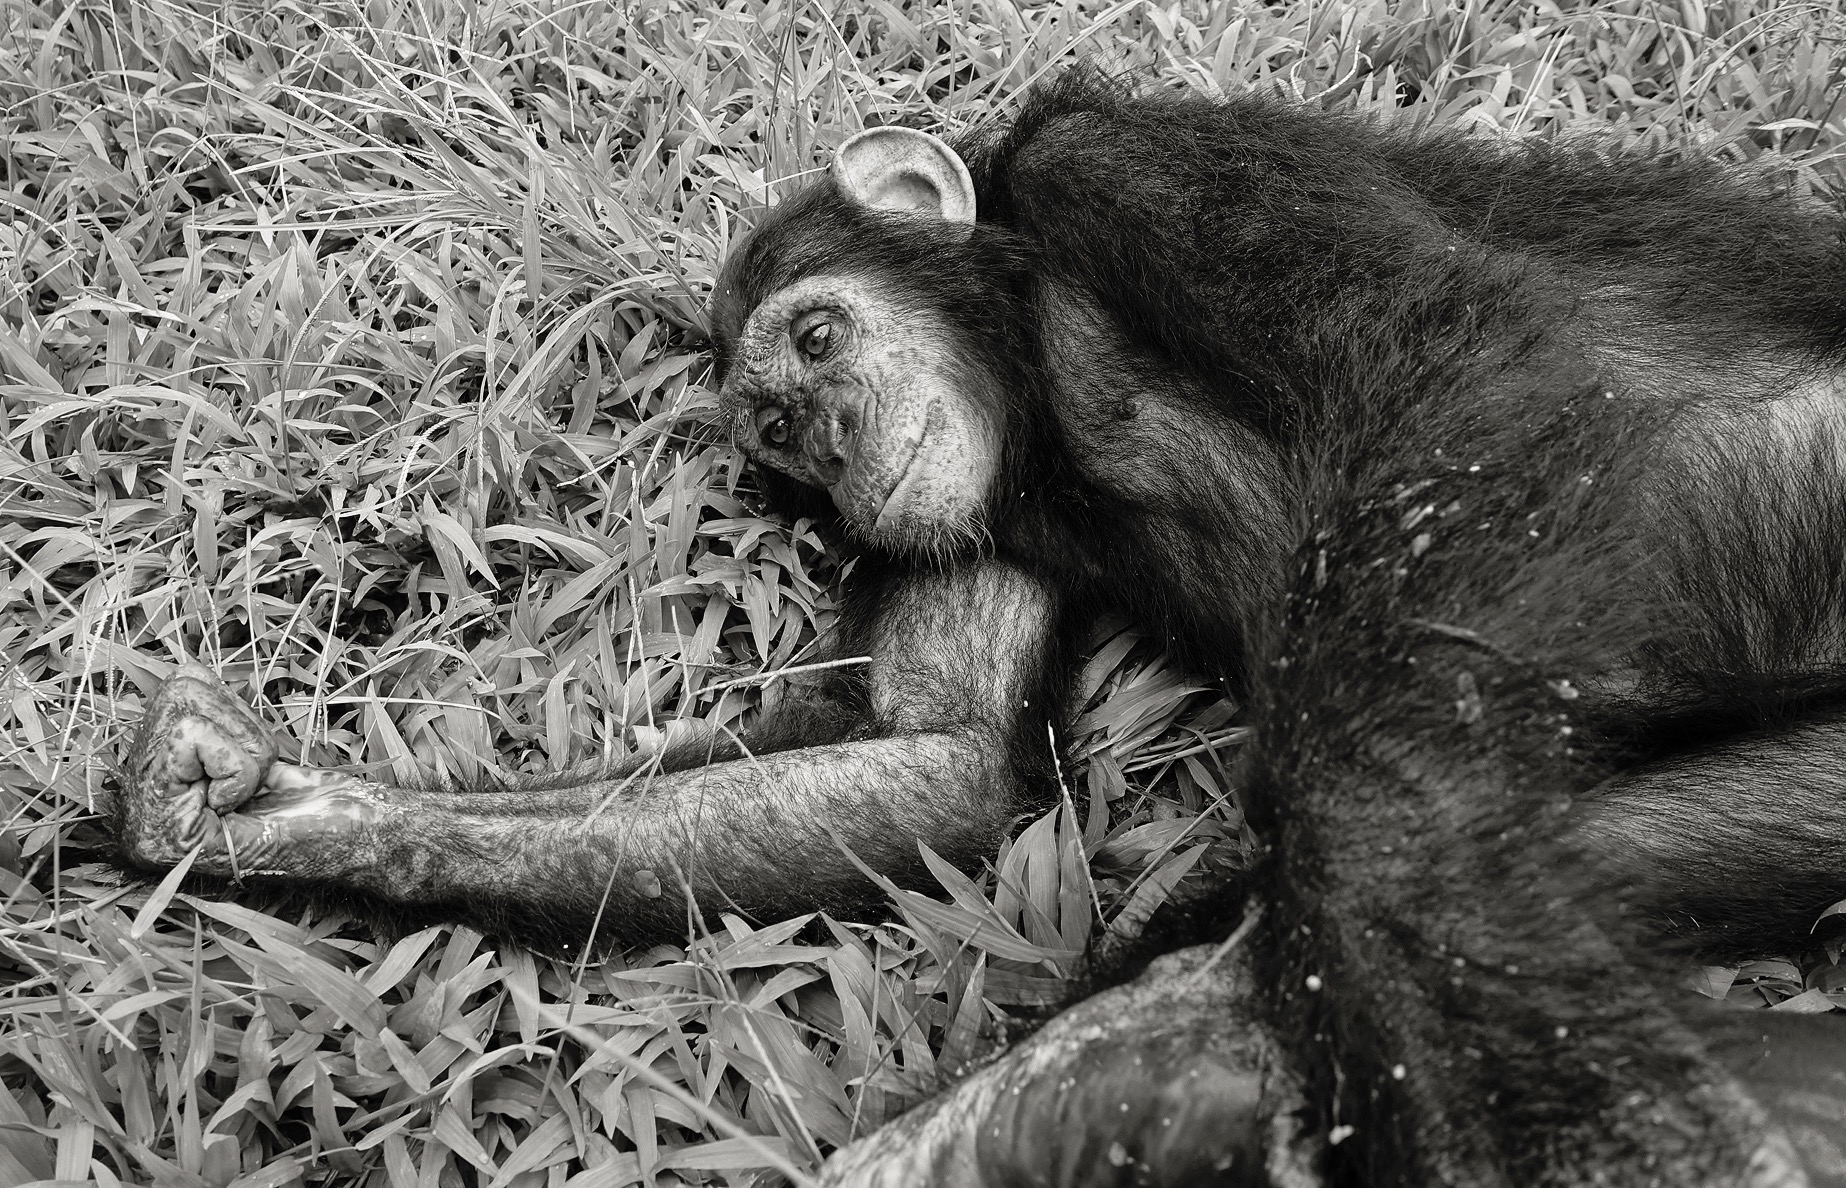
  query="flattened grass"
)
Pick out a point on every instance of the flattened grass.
point(352, 348)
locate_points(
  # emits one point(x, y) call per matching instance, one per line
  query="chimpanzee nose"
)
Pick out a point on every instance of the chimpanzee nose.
point(827, 440)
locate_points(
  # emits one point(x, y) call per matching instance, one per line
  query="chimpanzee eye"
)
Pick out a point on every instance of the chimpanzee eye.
point(816, 340)
point(772, 425)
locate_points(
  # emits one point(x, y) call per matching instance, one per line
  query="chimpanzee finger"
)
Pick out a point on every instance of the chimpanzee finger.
point(185, 766)
point(213, 736)
point(161, 808)
point(233, 771)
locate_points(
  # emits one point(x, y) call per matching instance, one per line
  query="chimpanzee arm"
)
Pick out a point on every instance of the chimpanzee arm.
point(1736, 846)
point(959, 666)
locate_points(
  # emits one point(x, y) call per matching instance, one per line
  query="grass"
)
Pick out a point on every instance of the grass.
point(353, 348)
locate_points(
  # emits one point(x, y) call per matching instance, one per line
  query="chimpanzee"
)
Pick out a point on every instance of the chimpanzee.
point(1504, 481)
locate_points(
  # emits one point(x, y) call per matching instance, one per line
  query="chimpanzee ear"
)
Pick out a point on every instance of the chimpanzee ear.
point(903, 169)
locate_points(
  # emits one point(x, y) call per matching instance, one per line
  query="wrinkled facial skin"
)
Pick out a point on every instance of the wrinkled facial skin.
point(835, 384)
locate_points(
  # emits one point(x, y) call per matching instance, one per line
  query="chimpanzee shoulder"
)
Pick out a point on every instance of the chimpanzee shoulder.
point(1212, 225)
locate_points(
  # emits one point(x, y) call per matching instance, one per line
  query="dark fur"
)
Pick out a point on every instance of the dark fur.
point(1508, 570)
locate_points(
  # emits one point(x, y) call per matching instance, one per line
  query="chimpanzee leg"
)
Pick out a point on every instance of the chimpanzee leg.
point(1169, 1080)
point(1795, 1067)
point(1437, 930)
point(1091, 1100)
point(1738, 846)
point(1479, 1023)
point(959, 661)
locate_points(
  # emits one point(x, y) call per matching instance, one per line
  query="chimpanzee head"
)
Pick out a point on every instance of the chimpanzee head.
point(856, 334)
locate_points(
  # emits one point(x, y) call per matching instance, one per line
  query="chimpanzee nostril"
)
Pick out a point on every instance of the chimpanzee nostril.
point(827, 442)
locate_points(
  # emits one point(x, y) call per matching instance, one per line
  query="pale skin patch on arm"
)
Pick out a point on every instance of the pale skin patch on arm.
point(736, 830)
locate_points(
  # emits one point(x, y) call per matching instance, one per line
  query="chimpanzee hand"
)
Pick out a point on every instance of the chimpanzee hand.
point(202, 772)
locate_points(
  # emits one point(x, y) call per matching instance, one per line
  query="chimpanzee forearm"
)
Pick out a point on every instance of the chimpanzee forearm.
point(947, 713)
point(763, 835)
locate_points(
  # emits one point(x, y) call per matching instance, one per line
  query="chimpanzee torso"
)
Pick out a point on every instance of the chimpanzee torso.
point(1287, 332)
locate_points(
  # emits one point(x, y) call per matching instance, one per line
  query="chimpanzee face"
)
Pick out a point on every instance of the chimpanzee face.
point(844, 380)
point(838, 385)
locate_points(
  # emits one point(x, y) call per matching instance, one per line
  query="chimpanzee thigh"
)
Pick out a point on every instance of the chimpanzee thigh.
point(1795, 1068)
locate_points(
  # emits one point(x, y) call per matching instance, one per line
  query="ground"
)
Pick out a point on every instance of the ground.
point(354, 350)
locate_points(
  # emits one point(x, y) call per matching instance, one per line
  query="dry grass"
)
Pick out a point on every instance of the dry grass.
point(353, 349)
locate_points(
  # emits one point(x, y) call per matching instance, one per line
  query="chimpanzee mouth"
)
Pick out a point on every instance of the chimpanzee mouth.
point(886, 513)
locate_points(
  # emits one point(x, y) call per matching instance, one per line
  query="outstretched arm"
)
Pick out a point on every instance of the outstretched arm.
point(959, 670)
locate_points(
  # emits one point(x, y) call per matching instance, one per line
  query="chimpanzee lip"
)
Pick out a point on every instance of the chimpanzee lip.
point(903, 475)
